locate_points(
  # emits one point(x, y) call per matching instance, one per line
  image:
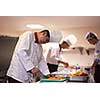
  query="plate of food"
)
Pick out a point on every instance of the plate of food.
point(54, 79)
point(78, 77)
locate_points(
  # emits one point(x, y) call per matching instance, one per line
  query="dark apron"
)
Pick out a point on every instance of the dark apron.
point(97, 74)
point(52, 67)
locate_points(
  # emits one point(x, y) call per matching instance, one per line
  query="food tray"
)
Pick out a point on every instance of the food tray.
point(63, 75)
point(48, 80)
point(78, 78)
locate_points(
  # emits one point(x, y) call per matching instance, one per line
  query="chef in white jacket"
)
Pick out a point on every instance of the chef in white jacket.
point(93, 39)
point(27, 59)
point(54, 51)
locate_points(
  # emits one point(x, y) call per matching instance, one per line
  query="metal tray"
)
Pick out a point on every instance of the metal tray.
point(78, 78)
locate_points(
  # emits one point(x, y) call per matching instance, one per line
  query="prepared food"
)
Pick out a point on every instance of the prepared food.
point(56, 78)
point(78, 73)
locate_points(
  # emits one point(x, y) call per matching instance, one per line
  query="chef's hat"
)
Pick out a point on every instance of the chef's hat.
point(90, 35)
point(71, 39)
point(55, 36)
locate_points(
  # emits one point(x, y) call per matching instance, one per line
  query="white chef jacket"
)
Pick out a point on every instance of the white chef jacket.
point(97, 52)
point(53, 53)
point(27, 55)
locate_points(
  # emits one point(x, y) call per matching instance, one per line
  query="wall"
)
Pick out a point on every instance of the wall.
point(75, 57)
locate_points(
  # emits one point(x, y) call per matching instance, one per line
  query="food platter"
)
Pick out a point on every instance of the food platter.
point(78, 77)
point(54, 79)
point(48, 80)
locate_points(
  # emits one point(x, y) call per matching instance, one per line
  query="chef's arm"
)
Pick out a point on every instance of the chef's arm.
point(22, 49)
point(25, 60)
point(97, 57)
point(64, 63)
point(96, 61)
point(43, 66)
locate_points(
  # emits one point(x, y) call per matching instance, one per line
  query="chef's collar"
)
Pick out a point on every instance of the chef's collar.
point(36, 37)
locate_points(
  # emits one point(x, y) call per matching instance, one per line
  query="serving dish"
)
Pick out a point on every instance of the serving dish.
point(78, 78)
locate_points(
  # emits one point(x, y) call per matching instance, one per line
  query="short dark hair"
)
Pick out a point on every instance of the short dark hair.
point(91, 35)
point(47, 31)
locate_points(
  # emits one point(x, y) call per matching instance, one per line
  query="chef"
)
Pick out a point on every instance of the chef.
point(27, 59)
point(92, 38)
point(54, 51)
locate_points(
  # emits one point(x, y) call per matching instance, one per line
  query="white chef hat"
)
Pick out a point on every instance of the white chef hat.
point(90, 35)
point(55, 36)
point(71, 39)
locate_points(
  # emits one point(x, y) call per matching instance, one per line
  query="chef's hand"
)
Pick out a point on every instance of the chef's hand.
point(34, 71)
point(50, 75)
point(66, 64)
point(72, 67)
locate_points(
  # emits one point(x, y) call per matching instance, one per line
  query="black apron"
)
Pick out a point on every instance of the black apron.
point(52, 67)
point(97, 74)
